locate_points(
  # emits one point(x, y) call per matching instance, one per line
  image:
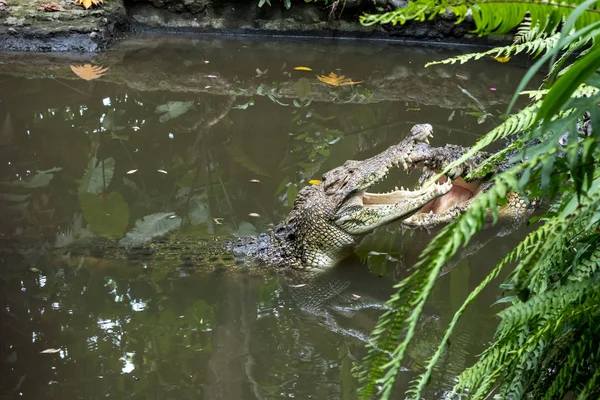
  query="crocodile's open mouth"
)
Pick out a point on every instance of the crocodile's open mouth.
point(460, 195)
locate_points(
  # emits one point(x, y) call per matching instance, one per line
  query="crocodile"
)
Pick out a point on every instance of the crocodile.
point(330, 218)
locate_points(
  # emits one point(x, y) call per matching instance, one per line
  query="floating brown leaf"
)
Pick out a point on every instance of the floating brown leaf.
point(334, 80)
point(88, 72)
point(49, 7)
point(88, 3)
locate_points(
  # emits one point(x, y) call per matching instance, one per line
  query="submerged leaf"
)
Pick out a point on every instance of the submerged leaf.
point(40, 179)
point(151, 226)
point(245, 229)
point(107, 216)
point(173, 109)
point(238, 155)
point(88, 71)
point(97, 178)
point(303, 88)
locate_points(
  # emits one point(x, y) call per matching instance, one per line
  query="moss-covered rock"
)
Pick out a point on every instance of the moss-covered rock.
point(25, 26)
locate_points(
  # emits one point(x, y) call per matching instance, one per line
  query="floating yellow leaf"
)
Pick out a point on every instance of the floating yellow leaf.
point(314, 181)
point(302, 69)
point(334, 80)
point(88, 3)
point(502, 59)
point(88, 72)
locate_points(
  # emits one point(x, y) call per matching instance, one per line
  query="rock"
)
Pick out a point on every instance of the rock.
point(12, 31)
point(14, 21)
point(448, 15)
point(353, 4)
point(399, 3)
point(94, 35)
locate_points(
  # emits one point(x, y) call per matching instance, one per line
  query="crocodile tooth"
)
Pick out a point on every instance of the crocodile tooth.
point(395, 187)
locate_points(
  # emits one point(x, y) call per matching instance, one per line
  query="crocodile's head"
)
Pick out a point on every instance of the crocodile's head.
point(331, 217)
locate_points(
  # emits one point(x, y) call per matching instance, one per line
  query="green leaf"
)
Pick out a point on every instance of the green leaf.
point(564, 87)
point(110, 122)
point(40, 179)
point(173, 109)
point(238, 155)
point(107, 216)
point(98, 176)
point(244, 229)
point(151, 226)
point(199, 210)
point(303, 89)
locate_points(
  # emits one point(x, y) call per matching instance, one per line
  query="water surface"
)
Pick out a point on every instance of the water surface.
point(207, 138)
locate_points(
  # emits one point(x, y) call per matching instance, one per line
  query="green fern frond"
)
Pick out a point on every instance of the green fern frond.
point(586, 267)
point(419, 386)
point(490, 16)
point(534, 346)
point(516, 123)
point(528, 32)
point(555, 278)
point(534, 47)
point(590, 387)
point(541, 305)
point(579, 352)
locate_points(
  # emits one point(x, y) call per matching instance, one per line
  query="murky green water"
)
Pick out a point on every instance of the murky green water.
point(221, 134)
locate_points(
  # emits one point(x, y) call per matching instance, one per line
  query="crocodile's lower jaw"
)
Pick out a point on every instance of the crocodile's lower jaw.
point(460, 195)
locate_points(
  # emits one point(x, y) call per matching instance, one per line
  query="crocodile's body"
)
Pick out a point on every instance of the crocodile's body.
point(330, 219)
